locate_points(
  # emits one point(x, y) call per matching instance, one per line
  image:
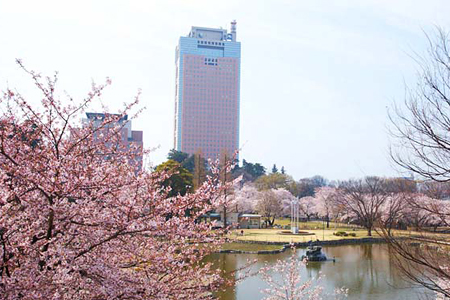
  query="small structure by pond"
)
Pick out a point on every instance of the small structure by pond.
point(234, 220)
point(249, 221)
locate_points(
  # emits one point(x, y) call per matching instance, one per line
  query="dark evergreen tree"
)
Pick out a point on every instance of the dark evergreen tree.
point(259, 170)
point(187, 161)
point(274, 168)
point(180, 180)
point(177, 156)
point(254, 170)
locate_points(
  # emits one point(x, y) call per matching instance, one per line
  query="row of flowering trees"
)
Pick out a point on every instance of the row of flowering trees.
point(370, 202)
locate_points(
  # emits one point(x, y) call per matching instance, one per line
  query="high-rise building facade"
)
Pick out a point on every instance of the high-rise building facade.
point(130, 140)
point(207, 94)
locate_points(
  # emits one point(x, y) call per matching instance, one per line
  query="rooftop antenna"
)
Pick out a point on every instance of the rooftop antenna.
point(233, 30)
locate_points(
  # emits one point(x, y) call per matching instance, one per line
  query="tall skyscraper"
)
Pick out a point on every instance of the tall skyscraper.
point(208, 63)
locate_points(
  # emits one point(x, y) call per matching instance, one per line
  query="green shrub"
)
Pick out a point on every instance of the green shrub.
point(352, 234)
point(340, 233)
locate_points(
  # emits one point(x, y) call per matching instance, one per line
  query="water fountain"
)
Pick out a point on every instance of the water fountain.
point(294, 216)
point(314, 253)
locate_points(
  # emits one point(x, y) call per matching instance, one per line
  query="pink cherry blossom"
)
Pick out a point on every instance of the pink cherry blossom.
point(78, 220)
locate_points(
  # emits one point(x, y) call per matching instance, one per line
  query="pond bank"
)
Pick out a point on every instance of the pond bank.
point(284, 246)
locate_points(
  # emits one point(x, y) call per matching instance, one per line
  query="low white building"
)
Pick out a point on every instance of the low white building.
point(249, 221)
point(232, 219)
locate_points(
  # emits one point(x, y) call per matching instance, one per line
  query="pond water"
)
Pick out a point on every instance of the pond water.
point(366, 270)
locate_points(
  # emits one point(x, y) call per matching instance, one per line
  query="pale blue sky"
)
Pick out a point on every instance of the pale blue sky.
point(317, 76)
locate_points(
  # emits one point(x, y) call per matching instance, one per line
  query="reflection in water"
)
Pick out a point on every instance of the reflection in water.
point(366, 270)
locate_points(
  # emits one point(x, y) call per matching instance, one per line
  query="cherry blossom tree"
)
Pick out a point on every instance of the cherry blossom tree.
point(245, 198)
point(237, 199)
point(285, 197)
point(363, 200)
point(308, 206)
point(248, 199)
point(394, 211)
point(269, 206)
point(422, 211)
point(76, 219)
point(326, 203)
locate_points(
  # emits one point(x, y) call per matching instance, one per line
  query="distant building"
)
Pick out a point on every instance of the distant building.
point(207, 92)
point(129, 138)
point(240, 220)
point(249, 221)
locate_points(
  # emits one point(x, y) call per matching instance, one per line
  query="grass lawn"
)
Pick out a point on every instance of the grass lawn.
point(273, 235)
point(313, 227)
point(315, 224)
point(249, 247)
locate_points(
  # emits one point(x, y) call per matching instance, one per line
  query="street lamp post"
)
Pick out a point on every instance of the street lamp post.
point(323, 229)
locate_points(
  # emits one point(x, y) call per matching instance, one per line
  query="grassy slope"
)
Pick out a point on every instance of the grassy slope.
point(249, 247)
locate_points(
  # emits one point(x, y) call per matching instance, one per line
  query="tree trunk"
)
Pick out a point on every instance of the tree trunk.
point(369, 231)
point(224, 216)
point(328, 222)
